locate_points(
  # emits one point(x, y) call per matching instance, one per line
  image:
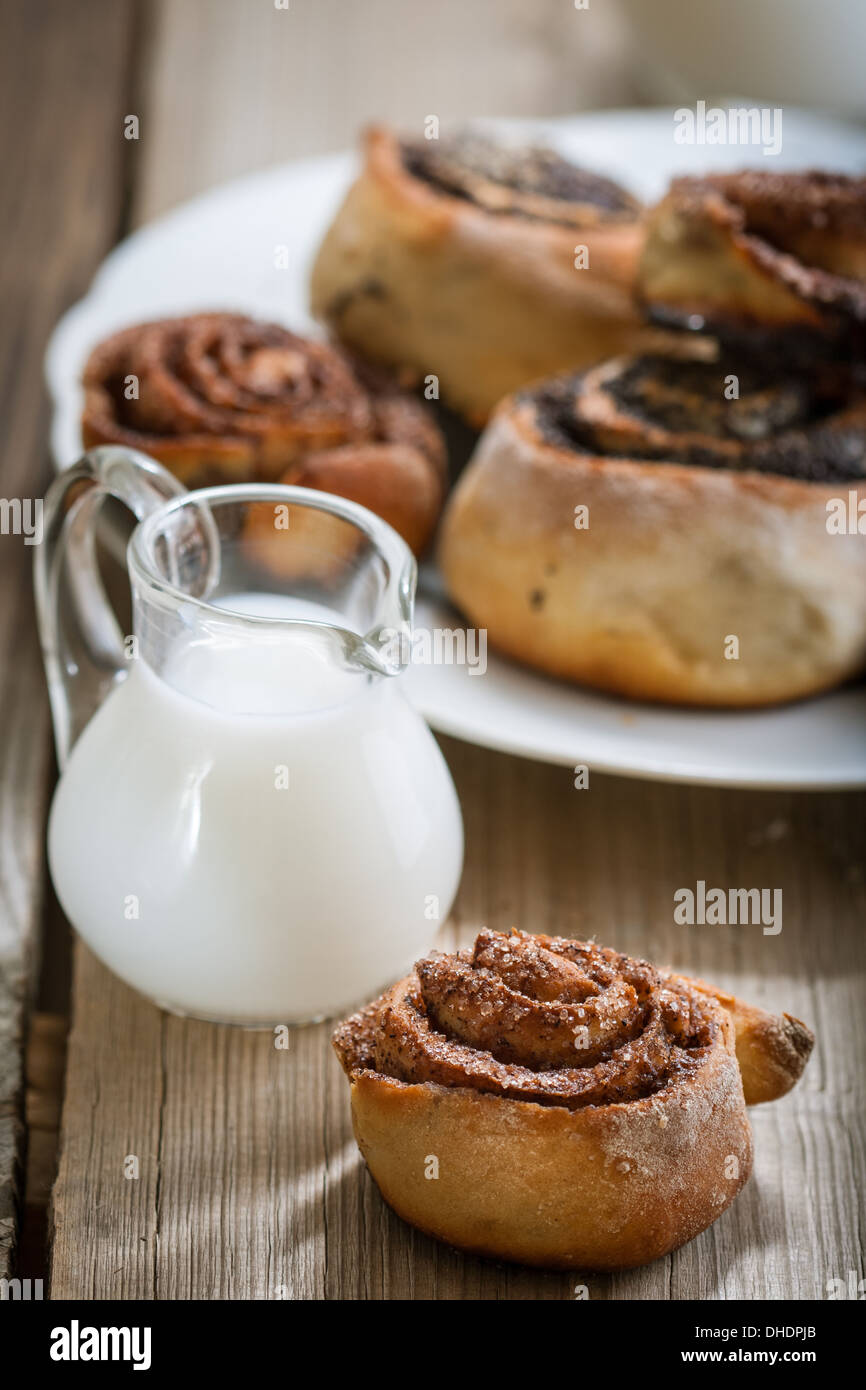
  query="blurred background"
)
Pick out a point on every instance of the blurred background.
point(236, 84)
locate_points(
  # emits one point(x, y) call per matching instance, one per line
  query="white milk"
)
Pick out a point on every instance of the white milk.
point(200, 878)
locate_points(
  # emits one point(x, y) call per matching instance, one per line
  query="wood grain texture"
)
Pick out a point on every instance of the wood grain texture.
point(248, 1181)
point(250, 1184)
point(58, 214)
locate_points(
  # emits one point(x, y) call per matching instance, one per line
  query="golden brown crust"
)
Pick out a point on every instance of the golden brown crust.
point(772, 1049)
point(224, 398)
point(453, 277)
point(705, 519)
point(772, 261)
point(600, 1188)
point(553, 1102)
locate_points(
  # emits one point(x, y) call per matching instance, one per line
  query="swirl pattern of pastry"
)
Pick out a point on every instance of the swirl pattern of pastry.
point(558, 1023)
point(224, 398)
point(448, 254)
point(618, 528)
point(584, 1108)
point(676, 411)
point(518, 182)
point(770, 262)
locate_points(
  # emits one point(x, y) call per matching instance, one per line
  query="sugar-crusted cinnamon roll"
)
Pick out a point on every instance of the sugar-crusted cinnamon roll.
point(553, 1102)
point(769, 262)
point(664, 529)
point(223, 398)
point(456, 258)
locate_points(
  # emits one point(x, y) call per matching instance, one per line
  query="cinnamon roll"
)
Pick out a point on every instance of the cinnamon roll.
point(556, 1103)
point(223, 398)
point(457, 258)
point(668, 530)
point(769, 262)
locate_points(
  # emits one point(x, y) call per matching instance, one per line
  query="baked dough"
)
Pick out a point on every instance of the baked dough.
point(552, 1102)
point(766, 262)
point(456, 258)
point(220, 398)
point(705, 569)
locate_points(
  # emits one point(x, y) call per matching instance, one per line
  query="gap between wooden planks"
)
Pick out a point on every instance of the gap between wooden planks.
point(62, 72)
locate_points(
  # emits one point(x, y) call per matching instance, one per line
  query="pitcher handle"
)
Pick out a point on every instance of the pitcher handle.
point(82, 644)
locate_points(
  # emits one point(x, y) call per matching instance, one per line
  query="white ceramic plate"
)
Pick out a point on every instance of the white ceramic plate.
point(218, 252)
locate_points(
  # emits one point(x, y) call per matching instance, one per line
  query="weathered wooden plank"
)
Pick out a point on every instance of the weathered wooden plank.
point(61, 156)
point(104, 1208)
point(250, 1182)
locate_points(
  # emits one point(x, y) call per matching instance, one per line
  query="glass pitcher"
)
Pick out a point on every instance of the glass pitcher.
point(252, 824)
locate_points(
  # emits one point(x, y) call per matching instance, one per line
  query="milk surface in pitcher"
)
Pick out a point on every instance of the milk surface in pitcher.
point(275, 864)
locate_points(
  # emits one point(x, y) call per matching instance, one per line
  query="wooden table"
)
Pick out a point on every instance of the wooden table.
point(249, 1184)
